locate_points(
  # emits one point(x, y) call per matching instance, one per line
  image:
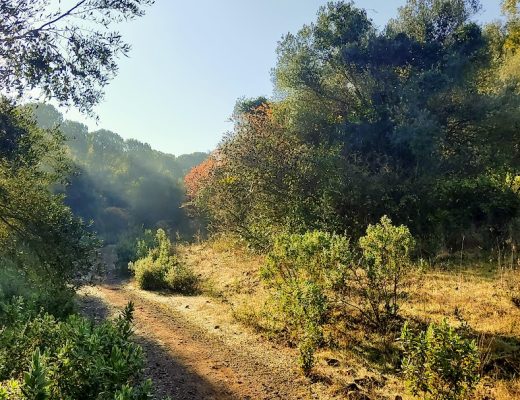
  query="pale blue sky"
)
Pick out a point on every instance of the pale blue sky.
point(191, 60)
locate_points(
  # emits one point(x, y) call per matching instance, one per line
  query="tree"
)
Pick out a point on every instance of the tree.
point(68, 53)
point(369, 123)
point(41, 242)
point(113, 179)
point(405, 107)
point(262, 179)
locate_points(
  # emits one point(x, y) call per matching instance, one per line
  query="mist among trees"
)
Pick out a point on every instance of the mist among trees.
point(121, 186)
point(380, 182)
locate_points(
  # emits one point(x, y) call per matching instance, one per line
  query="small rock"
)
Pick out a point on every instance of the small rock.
point(217, 326)
point(398, 397)
point(353, 387)
point(187, 306)
point(332, 362)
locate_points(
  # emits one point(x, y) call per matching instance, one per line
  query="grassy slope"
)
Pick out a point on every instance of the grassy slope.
point(478, 294)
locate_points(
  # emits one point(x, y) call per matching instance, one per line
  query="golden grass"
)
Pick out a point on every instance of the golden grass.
point(483, 301)
point(479, 294)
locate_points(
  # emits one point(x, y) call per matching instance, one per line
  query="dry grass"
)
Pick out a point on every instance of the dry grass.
point(481, 295)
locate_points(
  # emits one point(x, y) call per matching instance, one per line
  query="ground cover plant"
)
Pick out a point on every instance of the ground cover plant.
point(45, 358)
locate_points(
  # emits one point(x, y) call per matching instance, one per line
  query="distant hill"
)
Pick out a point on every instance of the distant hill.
point(121, 185)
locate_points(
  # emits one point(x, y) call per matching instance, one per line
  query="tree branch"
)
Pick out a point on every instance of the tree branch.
point(59, 17)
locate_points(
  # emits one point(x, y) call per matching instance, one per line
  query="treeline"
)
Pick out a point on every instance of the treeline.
point(418, 121)
point(122, 186)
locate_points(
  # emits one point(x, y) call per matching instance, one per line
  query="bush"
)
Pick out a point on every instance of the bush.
point(439, 363)
point(386, 261)
point(181, 279)
point(133, 246)
point(301, 269)
point(160, 269)
point(150, 274)
point(44, 358)
point(317, 274)
point(52, 297)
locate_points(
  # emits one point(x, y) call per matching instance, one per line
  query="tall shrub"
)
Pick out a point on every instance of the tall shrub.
point(301, 270)
point(386, 261)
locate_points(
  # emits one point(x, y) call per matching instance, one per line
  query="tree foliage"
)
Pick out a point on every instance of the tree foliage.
point(65, 49)
point(399, 122)
point(46, 251)
point(121, 185)
point(42, 242)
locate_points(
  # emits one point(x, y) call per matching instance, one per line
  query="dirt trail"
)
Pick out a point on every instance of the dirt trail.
point(195, 351)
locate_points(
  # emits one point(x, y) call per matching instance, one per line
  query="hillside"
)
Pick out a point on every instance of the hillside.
point(122, 186)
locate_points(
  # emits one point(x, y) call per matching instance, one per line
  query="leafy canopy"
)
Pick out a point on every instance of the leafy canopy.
point(65, 49)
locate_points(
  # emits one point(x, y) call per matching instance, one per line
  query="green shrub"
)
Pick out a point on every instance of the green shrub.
point(160, 269)
point(133, 246)
point(36, 384)
point(386, 261)
point(301, 270)
point(150, 274)
point(141, 392)
point(181, 279)
point(318, 274)
point(306, 360)
point(41, 357)
point(439, 363)
point(52, 297)
point(10, 390)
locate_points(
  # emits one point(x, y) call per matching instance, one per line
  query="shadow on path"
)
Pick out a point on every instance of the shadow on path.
point(170, 376)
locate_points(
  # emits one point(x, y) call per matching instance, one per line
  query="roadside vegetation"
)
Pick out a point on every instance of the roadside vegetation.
point(48, 351)
point(379, 184)
point(469, 306)
point(160, 268)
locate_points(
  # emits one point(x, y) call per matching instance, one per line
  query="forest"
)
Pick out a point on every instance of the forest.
point(353, 236)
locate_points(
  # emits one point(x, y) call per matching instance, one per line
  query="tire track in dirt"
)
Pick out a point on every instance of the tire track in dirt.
point(187, 363)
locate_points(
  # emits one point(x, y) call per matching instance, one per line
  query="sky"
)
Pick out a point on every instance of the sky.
point(191, 61)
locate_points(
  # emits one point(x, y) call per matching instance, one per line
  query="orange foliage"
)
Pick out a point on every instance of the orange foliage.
point(198, 176)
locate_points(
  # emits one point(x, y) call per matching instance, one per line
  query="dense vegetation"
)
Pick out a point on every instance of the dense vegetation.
point(114, 178)
point(46, 252)
point(44, 358)
point(417, 121)
point(382, 151)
